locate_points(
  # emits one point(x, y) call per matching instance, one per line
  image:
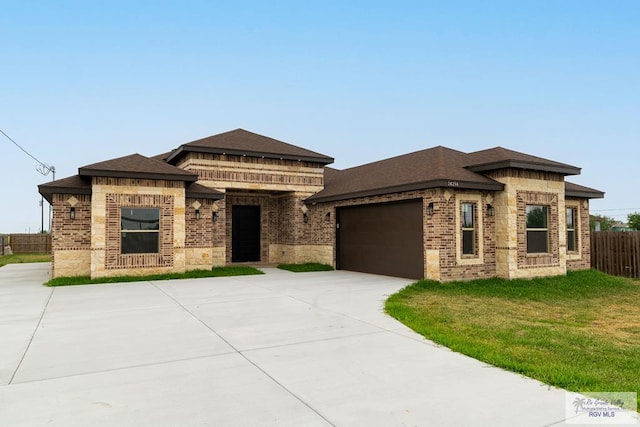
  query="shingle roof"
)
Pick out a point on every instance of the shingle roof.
point(199, 191)
point(431, 168)
point(162, 157)
point(242, 142)
point(71, 185)
point(580, 191)
point(438, 167)
point(137, 166)
point(500, 158)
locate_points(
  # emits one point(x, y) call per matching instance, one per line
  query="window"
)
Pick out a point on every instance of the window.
point(571, 229)
point(140, 229)
point(468, 229)
point(537, 229)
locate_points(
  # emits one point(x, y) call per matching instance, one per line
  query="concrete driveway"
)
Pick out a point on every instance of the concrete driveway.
point(280, 349)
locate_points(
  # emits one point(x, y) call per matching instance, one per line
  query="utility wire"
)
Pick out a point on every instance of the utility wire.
point(44, 168)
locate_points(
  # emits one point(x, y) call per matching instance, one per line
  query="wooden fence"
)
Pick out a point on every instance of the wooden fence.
point(4, 242)
point(616, 253)
point(30, 243)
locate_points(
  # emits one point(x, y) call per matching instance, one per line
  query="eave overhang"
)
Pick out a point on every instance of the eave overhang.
point(514, 164)
point(182, 151)
point(439, 183)
point(140, 175)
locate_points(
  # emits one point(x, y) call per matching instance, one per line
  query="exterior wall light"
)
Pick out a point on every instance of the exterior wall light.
point(197, 213)
point(327, 217)
point(305, 217)
point(72, 213)
point(214, 216)
point(430, 209)
point(490, 210)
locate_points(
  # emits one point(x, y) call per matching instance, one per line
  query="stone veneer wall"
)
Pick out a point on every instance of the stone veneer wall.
point(205, 239)
point(71, 238)
point(521, 188)
point(580, 259)
point(111, 194)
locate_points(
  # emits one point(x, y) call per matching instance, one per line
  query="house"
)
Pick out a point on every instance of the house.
point(240, 197)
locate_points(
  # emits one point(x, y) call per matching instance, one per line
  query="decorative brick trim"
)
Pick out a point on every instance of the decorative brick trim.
point(113, 258)
point(478, 213)
point(134, 182)
point(552, 258)
point(246, 176)
point(525, 174)
point(245, 170)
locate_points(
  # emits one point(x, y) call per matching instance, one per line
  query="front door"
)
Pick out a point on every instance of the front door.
point(245, 234)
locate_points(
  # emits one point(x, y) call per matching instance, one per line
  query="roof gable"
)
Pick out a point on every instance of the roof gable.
point(137, 166)
point(244, 143)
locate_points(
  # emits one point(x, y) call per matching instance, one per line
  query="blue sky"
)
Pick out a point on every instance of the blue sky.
point(82, 82)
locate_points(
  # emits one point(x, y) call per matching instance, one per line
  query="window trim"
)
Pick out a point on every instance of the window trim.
point(471, 229)
point(573, 229)
point(544, 229)
point(577, 208)
point(477, 258)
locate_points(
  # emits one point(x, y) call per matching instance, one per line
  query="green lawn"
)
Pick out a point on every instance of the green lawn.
point(24, 258)
point(580, 332)
point(193, 274)
point(306, 267)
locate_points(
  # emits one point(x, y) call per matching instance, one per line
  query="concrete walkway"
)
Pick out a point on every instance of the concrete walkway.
point(279, 349)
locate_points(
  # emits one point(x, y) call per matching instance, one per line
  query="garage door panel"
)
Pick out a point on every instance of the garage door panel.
point(382, 239)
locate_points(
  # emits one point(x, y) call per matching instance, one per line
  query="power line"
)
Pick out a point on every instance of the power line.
point(20, 147)
point(44, 169)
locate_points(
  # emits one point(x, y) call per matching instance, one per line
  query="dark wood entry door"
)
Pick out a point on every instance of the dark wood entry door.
point(245, 234)
point(384, 238)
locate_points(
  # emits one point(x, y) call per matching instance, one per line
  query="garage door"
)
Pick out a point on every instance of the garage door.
point(383, 238)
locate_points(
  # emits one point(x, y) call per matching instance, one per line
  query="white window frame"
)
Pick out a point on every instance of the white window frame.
point(478, 257)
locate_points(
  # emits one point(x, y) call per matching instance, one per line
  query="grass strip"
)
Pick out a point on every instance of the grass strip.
point(306, 267)
point(24, 258)
point(192, 274)
point(580, 332)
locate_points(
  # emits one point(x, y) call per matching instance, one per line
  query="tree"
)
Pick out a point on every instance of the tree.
point(605, 222)
point(634, 221)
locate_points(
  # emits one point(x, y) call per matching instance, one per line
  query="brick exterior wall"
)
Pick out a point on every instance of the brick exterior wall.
point(439, 231)
point(71, 234)
point(581, 259)
point(109, 196)
point(268, 222)
point(71, 238)
point(90, 244)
